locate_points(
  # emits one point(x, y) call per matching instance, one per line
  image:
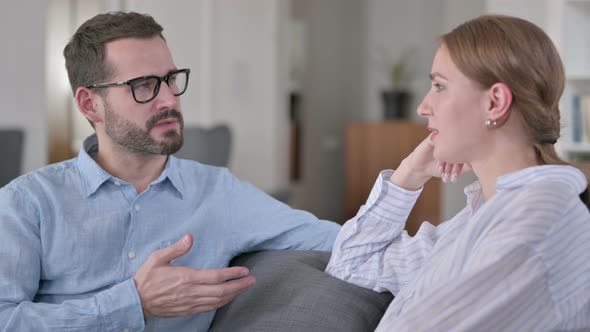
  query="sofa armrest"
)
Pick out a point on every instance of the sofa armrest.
point(293, 293)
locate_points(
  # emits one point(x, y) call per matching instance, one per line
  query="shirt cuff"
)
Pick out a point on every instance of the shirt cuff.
point(390, 202)
point(120, 307)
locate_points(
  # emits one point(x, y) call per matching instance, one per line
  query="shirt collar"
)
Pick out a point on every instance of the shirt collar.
point(567, 174)
point(93, 176)
point(173, 174)
point(572, 176)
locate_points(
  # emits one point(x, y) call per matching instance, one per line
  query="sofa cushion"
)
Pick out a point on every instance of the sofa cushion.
point(293, 293)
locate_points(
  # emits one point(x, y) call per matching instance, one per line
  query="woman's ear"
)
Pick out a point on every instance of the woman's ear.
point(87, 102)
point(500, 97)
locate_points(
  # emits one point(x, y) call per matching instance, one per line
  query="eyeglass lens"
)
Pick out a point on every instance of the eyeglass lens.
point(147, 88)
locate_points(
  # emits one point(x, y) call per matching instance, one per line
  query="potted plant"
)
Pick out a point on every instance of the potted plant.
point(397, 96)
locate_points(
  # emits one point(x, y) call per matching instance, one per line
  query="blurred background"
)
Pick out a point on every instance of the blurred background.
point(292, 79)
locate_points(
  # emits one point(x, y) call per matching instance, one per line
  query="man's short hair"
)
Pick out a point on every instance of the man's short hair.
point(85, 55)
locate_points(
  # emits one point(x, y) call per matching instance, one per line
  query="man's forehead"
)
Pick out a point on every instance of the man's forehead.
point(138, 56)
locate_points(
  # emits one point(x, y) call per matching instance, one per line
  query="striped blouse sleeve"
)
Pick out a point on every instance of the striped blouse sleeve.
point(375, 235)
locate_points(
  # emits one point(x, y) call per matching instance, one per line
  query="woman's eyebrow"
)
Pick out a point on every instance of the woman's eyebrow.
point(436, 74)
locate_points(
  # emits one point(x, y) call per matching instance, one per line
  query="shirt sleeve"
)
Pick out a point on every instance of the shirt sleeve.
point(372, 249)
point(260, 222)
point(114, 309)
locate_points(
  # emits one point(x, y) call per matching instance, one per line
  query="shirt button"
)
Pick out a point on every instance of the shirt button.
point(131, 254)
point(117, 183)
point(136, 207)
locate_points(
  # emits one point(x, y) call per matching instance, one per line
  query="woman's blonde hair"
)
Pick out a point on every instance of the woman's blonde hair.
point(495, 48)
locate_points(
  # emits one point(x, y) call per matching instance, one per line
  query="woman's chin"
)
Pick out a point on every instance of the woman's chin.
point(446, 156)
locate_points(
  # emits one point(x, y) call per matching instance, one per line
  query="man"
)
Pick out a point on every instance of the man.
point(105, 241)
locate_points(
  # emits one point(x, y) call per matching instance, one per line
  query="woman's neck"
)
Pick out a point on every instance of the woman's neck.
point(508, 159)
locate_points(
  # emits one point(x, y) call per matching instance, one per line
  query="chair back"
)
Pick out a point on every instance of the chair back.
point(211, 146)
point(11, 150)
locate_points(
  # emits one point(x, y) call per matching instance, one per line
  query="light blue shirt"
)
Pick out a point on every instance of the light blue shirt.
point(518, 262)
point(72, 237)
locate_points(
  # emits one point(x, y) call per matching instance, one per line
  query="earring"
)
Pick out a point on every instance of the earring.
point(490, 124)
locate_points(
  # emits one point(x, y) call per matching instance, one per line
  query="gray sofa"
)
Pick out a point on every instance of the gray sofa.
point(292, 293)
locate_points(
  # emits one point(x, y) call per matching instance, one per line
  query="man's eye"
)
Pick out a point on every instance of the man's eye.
point(145, 86)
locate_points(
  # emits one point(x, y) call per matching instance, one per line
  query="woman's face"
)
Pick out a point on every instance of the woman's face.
point(455, 109)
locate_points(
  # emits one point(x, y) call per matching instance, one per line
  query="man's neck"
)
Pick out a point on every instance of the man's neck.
point(138, 169)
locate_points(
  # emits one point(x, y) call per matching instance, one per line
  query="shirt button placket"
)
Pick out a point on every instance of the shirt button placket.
point(131, 254)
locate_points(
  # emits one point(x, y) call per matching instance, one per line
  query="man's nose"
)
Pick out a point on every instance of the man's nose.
point(165, 97)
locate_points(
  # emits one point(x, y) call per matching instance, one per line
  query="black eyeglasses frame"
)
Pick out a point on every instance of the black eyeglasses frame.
point(160, 79)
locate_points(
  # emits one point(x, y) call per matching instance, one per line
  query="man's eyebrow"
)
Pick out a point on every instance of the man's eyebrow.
point(436, 74)
point(171, 71)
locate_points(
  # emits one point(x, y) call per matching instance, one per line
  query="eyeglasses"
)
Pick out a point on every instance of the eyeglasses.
point(146, 88)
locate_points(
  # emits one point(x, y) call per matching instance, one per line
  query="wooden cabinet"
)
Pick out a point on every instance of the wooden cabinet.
point(371, 147)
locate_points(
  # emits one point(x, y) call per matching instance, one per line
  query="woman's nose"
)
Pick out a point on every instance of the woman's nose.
point(424, 109)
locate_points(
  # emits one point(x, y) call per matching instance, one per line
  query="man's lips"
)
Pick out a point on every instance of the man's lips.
point(166, 123)
point(166, 119)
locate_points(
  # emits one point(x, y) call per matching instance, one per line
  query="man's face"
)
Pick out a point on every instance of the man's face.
point(151, 128)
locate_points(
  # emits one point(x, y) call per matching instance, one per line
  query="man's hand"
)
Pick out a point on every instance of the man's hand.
point(166, 290)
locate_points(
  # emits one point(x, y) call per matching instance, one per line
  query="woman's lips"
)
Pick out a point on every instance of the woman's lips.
point(433, 132)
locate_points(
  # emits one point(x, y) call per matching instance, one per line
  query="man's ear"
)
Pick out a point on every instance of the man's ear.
point(500, 100)
point(87, 102)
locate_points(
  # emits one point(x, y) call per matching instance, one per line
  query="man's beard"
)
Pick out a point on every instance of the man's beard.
point(136, 139)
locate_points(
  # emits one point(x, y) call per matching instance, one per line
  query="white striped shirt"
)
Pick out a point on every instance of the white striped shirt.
point(519, 262)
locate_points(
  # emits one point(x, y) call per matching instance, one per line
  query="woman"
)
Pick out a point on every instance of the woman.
point(516, 258)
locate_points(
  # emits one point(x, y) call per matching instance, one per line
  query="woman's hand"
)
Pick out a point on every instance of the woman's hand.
point(420, 166)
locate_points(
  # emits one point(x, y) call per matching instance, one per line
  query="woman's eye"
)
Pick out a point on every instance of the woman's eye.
point(437, 87)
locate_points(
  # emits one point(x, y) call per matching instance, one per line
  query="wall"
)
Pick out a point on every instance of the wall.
point(249, 87)
point(459, 11)
point(22, 89)
point(332, 93)
point(532, 10)
point(398, 26)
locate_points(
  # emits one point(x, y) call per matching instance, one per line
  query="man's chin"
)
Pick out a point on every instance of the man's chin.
point(165, 136)
point(171, 142)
